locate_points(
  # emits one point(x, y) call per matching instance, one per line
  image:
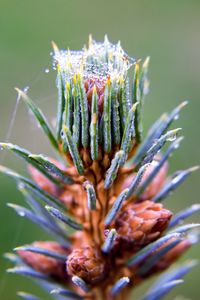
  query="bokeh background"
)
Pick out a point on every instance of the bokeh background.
point(168, 31)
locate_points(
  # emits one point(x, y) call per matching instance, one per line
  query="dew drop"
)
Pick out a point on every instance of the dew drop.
point(26, 89)
point(193, 238)
point(176, 146)
point(106, 232)
point(22, 214)
point(176, 179)
point(155, 163)
point(195, 206)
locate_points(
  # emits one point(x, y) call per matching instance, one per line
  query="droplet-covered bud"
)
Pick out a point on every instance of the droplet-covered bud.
point(95, 85)
point(45, 264)
point(88, 264)
point(141, 223)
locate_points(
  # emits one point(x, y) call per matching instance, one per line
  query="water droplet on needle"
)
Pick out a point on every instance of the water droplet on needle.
point(25, 90)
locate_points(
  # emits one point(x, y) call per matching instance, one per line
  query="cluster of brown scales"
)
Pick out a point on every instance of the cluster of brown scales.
point(102, 199)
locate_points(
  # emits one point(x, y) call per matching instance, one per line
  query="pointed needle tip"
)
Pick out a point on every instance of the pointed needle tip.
point(55, 47)
point(193, 169)
point(183, 104)
point(12, 205)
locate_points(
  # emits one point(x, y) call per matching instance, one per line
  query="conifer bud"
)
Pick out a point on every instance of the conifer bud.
point(87, 263)
point(141, 223)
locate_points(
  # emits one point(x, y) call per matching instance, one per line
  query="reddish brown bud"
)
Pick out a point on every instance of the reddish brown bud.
point(87, 263)
point(141, 223)
point(45, 264)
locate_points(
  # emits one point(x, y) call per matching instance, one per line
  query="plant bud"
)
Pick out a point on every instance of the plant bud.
point(87, 263)
point(141, 223)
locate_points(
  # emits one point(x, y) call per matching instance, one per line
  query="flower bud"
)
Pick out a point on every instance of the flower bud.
point(87, 263)
point(95, 85)
point(141, 223)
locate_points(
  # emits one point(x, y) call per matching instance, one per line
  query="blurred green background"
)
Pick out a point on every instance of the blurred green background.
point(168, 31)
